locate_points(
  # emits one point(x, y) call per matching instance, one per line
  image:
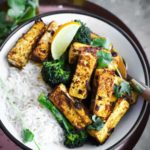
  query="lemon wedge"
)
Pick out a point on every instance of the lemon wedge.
point(62, 38)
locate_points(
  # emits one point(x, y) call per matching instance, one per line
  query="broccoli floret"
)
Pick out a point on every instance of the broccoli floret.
point(83, 34)
point(53, 72)
point(73, 138)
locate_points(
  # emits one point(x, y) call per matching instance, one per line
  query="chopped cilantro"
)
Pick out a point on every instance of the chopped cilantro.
point(122, 89)
point(101, 42)
point(27, 135)
point(97, 123)
point(104, 59)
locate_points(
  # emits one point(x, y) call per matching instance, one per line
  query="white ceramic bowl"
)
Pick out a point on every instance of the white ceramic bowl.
point(121, 41)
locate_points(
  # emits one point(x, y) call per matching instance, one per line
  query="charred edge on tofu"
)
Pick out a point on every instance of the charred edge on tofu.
point(42, 50)
point(82, 80)
point(19, 55)
point(70, 104)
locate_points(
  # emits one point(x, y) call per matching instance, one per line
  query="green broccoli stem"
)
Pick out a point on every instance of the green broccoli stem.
point(44, 101)
point(73, 138)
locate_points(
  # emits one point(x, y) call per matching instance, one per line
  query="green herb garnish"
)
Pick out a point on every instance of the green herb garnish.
point(104, 59)
point(18, 12)
point(101, 42)
point(97, 123)
point(27, 135)
point(122, 89)
point(22, 10)
point(83, 35)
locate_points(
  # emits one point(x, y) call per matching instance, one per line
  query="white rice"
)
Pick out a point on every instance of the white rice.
point(20, 93)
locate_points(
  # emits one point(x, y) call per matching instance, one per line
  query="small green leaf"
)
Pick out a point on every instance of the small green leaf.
point(97, 123)
point(27, 135)
point(16, 3)
point(101, 42)
point(23, 11)
point(33, 3)
point(28, 14)
point(83, 35)
point(15, 13)
point(104, 59)
point(17, 8)
point(18, 12)
point(122, 89)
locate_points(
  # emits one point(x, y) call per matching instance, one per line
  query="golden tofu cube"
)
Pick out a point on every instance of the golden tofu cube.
point(19, 54)
point(42, 50)
point(119, 111)
point(73, 110)
point(102, 105)
point(80, 82)
point(119, 63)
point(77, 48)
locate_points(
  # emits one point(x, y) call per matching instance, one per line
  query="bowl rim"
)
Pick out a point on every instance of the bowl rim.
point(140, 52)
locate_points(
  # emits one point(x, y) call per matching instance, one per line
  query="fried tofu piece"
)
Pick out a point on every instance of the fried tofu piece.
point(80, 82)
point(119, 111)
point(73, 110)
point(102, 104)
point(119, 63)
point(19, 54)
point(41, 52)
point(76, 48)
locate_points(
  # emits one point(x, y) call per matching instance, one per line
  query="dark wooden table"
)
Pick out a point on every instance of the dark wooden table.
point(49, 5)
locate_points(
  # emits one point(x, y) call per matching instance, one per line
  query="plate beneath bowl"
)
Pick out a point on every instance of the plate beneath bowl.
point(121, 41)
